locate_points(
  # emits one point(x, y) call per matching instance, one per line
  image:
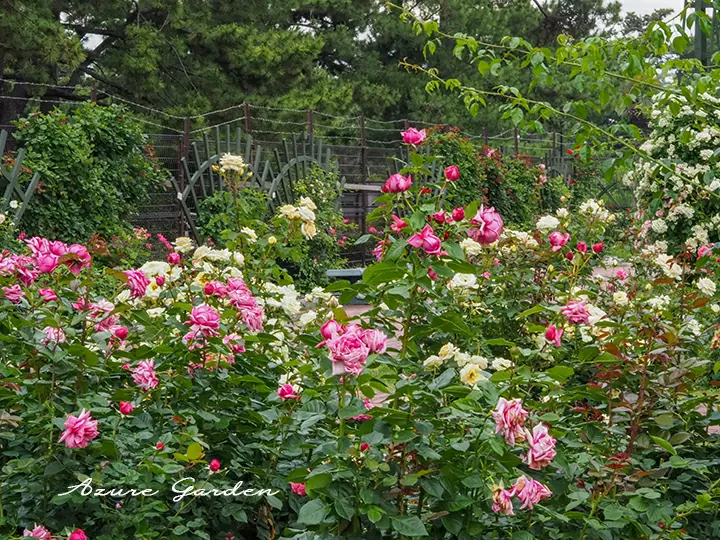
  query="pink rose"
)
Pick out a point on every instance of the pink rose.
point(576, 312)
point(48, 295)
point(79, 431)
point(704, 250)
point(331, 329)
point(554, 335)
point(173, 258)
point(78, 534)
point(426, 240)
point(621, 274)
point(215, 288)
point(502, 502)
point(235, 342)
point(138, 282)
point(397, 183)
point(80, 258)
point(348, 353)
point(597, 248)
point(452, 173)
point(126, 407)
point(542, 448)
point(160, 281)
point(205, 319)
point(46, 262)
point(160, 446)
point(377, 251)
point(38, 532)
point(14, 293)
point(558, 240)
point(432, 274)
point(458, 214)
point(237, 284)
point(120, 332)
point(253, 318)
point(214, 465)
point(398, 224)
point(530, 491)
point(38, 245)
point(582, 247)
point(144, 375)
point(488, 226)
point(439, 217)
point(413, 136)
point(286, 391)
point(53, 335)
point(375, 340)
point(298, 488)
point(509, 419)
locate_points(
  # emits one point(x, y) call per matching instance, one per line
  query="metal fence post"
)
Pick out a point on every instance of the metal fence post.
point(515, 137)
point(183, 153)
point(363, 180)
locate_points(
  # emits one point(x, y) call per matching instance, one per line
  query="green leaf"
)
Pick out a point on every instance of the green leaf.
point(312, 512)
point(344, 508)
point(561, 373)
point(374, 514)
point(665, 444)
point(318, 481)
point(194, 452)
point(409, 526)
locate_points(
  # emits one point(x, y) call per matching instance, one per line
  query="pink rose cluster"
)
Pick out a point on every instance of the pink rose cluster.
point(427, 241)
point(576, 312)
point(528, 490)
point(487, 225)
point(242, 300)
point(350, 346)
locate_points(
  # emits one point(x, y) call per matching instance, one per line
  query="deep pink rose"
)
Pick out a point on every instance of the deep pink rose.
point(173, 258)
point(46, 262)
point(509, 419)
point(576, 312)
point(120, 332)
point(542, 448)
point(413, 136)
point(621, 274)
point(582, 247)
point(215, 288)
point(160, 281)
point(426, 240)
point(704, 250)
point(530, 491)
point(569, 255)
point(375, 340)
point(144, 375)
point(364, 447)
point(286, 391)
point(81, 258)
point(397, 183)
point(348, 353)
point(439, 217)
point(78, 534)
point(206, 319)
point(235, 342)
point(48, 295)
point(214, 465)
point(79, 431)
point(398, 224)
point(554, 335)
point(488, 226)
point(298, 488)
point(432, 274)
point(452, 173)
point(126, 407)
point(458, 214)
point(558, 240)
point(138, 282)
point(14, 293)
point(597, 248)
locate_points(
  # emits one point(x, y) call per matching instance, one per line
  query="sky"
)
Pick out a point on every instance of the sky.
point(642, 7)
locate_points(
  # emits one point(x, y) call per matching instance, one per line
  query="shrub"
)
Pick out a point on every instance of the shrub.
point(95, 170)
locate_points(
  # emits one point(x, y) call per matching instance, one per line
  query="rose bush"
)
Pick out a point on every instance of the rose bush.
point(537, 387)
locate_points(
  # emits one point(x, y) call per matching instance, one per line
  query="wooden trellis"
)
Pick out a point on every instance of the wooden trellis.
point(10, 185)
point(274, 172)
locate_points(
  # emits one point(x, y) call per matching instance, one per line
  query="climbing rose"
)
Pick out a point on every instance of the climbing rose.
point(509, 419)
point(298, 488)
point(487, 226)
point(502, 502)
point(77, 534)
point(452, 173)
point(530, 491)
point(458, 214)
point(138, 282)
point(375, 340)
point(286, 391)
point(413, 136)
point(542, 448)
point(14, 293)
point(426, 240)
point(126, 407)
point(554, 335)
point(348, 353)
point(48, 295)
point(214, 465)
point(558, 240)
point(79, 431)
point(144, 375)
point(576, 312)
point(38, 532)
point(398, 224)
point(397, 183)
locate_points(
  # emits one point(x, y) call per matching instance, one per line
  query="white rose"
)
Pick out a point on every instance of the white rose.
point(706, 285)
point(621, 298)
point(500, 364)
point(306, 214)
point(239, 258)
point(433, 361)
point(251, 234)
point(307, 202)
point(447, 351)
point(471, 375)
point(308, 229)
point(183, 244)
point(562, 212)
point(155, 268)
point(548, 223)
point(463, 281)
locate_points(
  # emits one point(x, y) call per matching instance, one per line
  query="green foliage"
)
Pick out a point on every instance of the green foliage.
point(95, 170)
point(221, 211)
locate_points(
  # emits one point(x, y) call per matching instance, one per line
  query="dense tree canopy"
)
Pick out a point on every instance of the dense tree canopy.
point(338, 56)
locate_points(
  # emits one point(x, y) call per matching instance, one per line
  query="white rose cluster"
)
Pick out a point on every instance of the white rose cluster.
point(304, 211)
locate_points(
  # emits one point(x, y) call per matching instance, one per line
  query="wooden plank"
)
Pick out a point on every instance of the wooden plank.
point(211, 176)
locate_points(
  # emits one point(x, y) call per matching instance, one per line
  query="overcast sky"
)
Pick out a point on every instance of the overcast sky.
point(648, 6)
